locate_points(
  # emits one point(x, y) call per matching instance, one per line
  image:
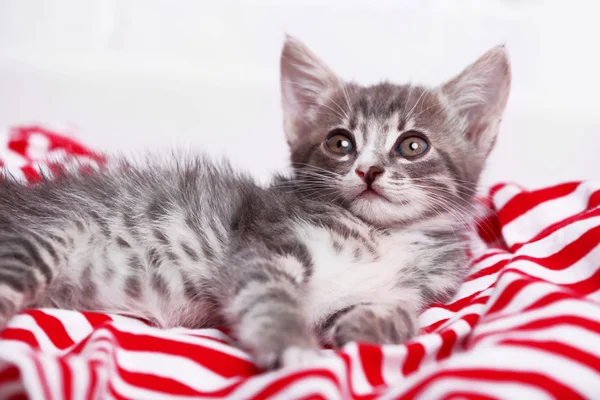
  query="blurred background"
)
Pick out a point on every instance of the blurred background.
point(129, 74)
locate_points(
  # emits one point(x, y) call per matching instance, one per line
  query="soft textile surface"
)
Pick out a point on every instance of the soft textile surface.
point(524, 325)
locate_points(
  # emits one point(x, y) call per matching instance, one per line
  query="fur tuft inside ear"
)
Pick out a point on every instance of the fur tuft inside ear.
point(480, 93)
point(305, 79)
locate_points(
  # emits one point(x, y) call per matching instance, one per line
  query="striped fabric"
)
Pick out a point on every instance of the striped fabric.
point(524, 325)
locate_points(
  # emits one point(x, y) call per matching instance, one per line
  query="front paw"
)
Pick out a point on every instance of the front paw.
point(285, 352)
point(374, 324)
point(278, 339)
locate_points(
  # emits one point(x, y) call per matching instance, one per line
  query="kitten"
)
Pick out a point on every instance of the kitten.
point(368, 231)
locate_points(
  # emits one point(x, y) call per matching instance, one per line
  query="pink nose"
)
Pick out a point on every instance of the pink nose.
point(372, 173)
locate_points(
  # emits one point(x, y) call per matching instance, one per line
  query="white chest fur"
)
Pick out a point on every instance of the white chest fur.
point(344, 276)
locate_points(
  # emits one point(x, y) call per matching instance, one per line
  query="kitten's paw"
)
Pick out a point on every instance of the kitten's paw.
point(374, 324)
point(8, 309)
point(293, 356)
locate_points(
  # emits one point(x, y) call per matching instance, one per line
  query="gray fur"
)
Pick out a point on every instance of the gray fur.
point(194, 243)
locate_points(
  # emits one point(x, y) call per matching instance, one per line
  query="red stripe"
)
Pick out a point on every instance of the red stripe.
point(495, 189)
point(489, 230)
point(281, 383)
point(545, 383)
point(21, 335)
point(220, 363)
point(53, 328)
point(414, 356)
point(10, 373)
point(18, 396)
point(163, 384)
point(558, 225)
point(558, 348)
point(552, 298)
point(542, 324)
point(371, 358)
point(594, 200)
point(463, 394)
point(470, 319)
point(31, 174)
point(67, 379)
point(459, 304)
point(448, 342)
point(569, 254)
point(525, 201)
point(509, 292)
point(166, 385)
point(487, 255)
point(93, 385)
point(42, 378)
point(97, 319)
point(492, 269)
point(436, 325)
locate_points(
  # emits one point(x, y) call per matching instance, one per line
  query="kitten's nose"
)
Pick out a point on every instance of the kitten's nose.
point(370, 175)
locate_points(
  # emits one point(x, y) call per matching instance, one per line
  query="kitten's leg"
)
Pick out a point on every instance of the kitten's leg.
point(28, 263)
point(266, 312)
point(373, 323)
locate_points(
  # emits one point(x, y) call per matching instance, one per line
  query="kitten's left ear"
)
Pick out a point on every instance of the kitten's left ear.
point(480, 93)
point(304, 80)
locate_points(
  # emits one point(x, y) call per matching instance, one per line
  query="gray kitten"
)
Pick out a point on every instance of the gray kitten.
point(369, 230)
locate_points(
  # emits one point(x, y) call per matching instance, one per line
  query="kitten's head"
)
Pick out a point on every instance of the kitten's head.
point(392, 153)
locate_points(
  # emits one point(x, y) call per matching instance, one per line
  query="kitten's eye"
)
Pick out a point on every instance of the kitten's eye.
point(339, 142)
point(412, 147)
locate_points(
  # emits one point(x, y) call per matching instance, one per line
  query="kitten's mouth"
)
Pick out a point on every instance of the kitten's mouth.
point(372, 194)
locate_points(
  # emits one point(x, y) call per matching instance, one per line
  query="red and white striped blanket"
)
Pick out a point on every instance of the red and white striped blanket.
point(525, 324)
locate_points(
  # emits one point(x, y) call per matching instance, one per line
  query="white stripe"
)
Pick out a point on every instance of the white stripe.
point(567, 307)
point(25, 321)
point(526, 226)
point(53, 376)
point(29, 374)
point(167, 334)
point(431, 344)
point(393, 359)
point(12, 160)
point(488, 262)
point(559, 239)
point(573, 336)
point(439, 387)
point(428, 318)
point(81, 376)
point(209, 333)
point(580, 271)
point(357, 374)
point(170, 366)
point(129, 391)
point(305, 387)
point(123, 321)
point(75, 324)
point(476, 285)
point(504, 195)
point(331, 362)
point(528, 295)
point(517, 359)
point(595, 296)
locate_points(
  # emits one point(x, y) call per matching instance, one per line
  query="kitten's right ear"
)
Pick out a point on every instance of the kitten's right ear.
point(304, 80)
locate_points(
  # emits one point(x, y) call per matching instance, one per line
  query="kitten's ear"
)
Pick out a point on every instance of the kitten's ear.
point(480, 93)
point(304, 79)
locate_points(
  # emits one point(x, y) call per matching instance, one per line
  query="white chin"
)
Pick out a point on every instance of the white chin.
point(381, 212)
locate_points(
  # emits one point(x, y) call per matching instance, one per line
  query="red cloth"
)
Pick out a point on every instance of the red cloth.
point(524, 325)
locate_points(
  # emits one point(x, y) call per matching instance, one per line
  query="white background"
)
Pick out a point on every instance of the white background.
point(130, 74)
